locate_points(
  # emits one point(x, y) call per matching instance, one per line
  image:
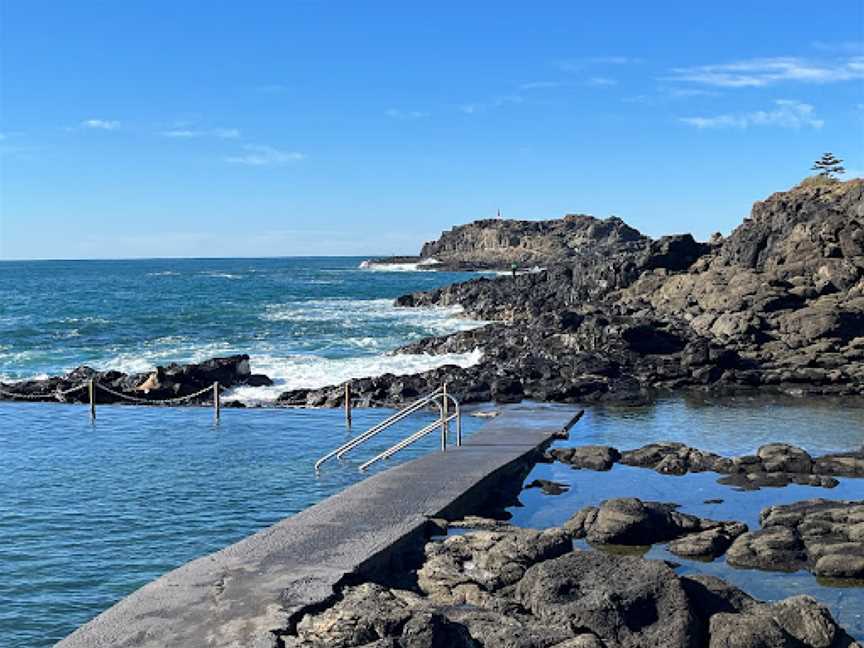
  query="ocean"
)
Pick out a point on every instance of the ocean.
point(305, 322)
point(89, 512)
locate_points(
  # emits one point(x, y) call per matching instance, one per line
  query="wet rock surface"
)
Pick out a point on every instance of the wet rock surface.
point(630, 521)
point(773, 465)
point(615, 316)
point(168, 382)
point(519, 588)
point(825, 537)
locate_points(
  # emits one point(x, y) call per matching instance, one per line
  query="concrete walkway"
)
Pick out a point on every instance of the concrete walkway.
point(240, 595)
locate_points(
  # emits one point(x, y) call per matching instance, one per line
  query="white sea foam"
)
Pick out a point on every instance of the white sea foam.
point(165, 273)
point(359, 314)
point(310, 372)
point(419, 266)
point(221, 275)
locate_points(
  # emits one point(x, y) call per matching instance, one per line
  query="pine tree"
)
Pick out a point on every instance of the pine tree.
point(828, 166)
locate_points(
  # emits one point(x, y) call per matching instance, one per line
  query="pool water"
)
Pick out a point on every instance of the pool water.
point(728, 427)
point(90, 512)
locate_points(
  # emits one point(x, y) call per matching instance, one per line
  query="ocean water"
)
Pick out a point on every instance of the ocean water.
point(305, 322)
point(727, 426)
point(90, 512)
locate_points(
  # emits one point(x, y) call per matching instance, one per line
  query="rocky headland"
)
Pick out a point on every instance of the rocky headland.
point(778, 305)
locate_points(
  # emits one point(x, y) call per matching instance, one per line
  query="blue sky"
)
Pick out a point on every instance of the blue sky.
point(214, 128)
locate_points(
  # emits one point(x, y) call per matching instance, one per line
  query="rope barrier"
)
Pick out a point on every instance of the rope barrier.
point(153, 401)
point(59, 393)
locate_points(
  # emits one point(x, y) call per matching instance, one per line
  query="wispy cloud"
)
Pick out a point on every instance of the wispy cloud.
point(101, 124)
point(497, 102)
point(599, 81)
point(258, 155)
point(788, 113)
point(186, 133)
point(395, 113)
point(770, 71)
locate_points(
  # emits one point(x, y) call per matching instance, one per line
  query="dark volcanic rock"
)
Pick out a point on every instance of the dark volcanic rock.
point(823, 536)
point(778, 305)
point(625, 601)
point(168, 382)
point(548, 487)
point(592, 457)
point(517, 588)
point(630, 521)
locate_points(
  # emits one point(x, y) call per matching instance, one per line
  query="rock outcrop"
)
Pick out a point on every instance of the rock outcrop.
point(630, 521)
point(163, 383)
point(774, 464)
point(825, 537)
point(515, 588)
point(777, 305)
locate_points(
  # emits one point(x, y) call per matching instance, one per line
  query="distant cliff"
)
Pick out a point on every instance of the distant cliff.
point(497, 243)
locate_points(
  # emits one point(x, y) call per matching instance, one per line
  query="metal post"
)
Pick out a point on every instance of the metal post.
point(348, 404)
point(458, 426)
point(91, 391)
point(444, 420)
point(216, 403)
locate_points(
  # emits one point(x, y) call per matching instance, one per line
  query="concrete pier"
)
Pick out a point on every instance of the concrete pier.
point(242, 595)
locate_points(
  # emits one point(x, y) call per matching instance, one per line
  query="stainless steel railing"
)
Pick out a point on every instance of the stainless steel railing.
point(440, 397)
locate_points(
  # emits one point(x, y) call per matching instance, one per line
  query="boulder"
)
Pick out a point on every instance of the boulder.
point(630, 521)
point(592, 457)
point(625, 601)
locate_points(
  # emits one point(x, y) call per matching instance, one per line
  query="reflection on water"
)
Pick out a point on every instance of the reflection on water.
point(89, 513)
point(728, 427)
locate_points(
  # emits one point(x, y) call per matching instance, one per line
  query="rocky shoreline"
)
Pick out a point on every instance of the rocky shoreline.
point(500, 585)
point(174, 381)
point(778, 306)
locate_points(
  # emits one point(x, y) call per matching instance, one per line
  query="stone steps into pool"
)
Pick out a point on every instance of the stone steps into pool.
point(238, 596)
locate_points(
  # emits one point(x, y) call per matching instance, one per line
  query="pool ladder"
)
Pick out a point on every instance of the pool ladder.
point(440, 397)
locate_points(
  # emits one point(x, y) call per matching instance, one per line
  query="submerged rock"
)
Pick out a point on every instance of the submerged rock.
point(548, 487)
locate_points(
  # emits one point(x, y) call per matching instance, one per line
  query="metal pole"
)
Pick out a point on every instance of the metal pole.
point(458, 426)
point(444, 421)
point(216, 403)
point(348, 404)
point(91, 390)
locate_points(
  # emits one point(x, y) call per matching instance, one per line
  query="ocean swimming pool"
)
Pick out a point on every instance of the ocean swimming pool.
point(90, 512)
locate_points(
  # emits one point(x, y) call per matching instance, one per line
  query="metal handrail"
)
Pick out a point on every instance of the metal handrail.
point(407, 441)
point(442, 422)
point(383, 425)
